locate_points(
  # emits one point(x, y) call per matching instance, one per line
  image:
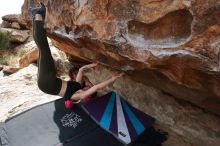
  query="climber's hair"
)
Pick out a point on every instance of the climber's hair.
point(73, 70)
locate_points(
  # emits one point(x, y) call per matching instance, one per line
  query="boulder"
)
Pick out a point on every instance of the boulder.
point(30, 57)
point(17, 36)
point(172, 45)
point(15, 18)
point(31, 54)
point(6, 24)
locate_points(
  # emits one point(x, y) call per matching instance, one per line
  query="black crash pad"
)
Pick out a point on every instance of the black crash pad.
point(52, 125)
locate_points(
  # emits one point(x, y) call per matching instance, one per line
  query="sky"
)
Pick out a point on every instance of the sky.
point(10, 7)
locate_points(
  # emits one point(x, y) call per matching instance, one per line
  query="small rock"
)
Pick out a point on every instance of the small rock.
point(28, 76)
point(10, 70)
point(15, 25)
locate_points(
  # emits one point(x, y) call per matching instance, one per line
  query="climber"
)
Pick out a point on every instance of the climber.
point(48, 82)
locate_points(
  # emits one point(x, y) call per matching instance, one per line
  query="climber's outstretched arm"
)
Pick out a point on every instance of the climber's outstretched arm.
point(80, 95)
point(79, 77)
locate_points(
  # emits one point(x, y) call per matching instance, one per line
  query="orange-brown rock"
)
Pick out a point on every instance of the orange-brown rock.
point(10, 69)
point(28, 58)
point(173, 45)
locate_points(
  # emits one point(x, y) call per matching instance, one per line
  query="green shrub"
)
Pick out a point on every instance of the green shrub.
point(4, 40)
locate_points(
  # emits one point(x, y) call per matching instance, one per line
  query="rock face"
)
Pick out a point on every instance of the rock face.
point(172, 45)
point(191, 123)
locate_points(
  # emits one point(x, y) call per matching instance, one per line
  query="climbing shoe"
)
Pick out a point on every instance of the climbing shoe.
point(38, 10)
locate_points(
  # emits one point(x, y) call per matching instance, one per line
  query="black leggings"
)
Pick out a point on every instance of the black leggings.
point(47, 80)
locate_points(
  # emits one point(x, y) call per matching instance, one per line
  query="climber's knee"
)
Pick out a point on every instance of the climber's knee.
point(43, 86)
point(49, 86)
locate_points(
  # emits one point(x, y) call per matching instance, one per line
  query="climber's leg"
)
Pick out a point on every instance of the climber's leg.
point(47, 80)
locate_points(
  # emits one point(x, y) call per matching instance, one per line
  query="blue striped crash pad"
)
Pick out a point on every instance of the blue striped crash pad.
point(118, 117)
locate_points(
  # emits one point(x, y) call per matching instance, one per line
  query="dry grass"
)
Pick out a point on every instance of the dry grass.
point(21, 52)
point(11, 57)
point(62, 55)
point(8, 58)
